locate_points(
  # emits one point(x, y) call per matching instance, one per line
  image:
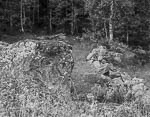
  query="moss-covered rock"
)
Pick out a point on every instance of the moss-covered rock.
point(121, 86)
point(32, 75)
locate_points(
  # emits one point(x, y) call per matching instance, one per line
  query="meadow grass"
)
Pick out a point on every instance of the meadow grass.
point(22, 97)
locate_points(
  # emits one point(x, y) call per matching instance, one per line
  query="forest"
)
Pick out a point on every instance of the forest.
point(74, 58)
point(122, 20)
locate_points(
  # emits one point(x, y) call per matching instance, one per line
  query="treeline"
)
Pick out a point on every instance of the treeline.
point(123, 20)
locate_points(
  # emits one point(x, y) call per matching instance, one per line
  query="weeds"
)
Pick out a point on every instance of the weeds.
point(42, 92)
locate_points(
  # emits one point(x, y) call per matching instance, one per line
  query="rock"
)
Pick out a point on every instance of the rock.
point(104, 80)
point(138, 87)
point(129, 55)
point(134, 81)
point(146, 97)
point(100, 66)
point(42, 59)
point(117, 81)
point(117, 57)
point(125, 76)
point(119, 85)
point(99, 52)
point(137, 80)
point(90, 55)
point(97, 64)
point(90, 61)
point(90, 97)
point(114, 74)
point(35, 70)
point(140, 51)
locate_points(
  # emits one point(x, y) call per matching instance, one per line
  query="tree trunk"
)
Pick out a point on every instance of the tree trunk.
point(38, 12)
point(11, 22)
point(33, 19)
point(106, 33)
point(111, 36)
point(93, 29)
point(21, 9)
point(5, 8)
point(127, 37)
point(72, 22)
point(24, 16)
point(50, 21)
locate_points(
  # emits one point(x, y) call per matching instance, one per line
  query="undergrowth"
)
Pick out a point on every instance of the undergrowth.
point(24, 95)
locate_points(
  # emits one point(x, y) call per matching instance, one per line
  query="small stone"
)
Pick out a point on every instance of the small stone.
point(137, 80)
point(117, 81)
point(97, 64)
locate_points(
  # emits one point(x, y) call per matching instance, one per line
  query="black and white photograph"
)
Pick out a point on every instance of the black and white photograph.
point(74, 58)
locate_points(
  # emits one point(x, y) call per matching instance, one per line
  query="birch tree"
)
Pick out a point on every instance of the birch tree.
point(21, 17)
point(111, 27)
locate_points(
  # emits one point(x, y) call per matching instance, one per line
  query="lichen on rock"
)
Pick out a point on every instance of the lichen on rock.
point(121, 86)
point(32, 74)
point(35, 56)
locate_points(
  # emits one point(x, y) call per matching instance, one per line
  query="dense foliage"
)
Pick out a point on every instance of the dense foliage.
point(124, 20)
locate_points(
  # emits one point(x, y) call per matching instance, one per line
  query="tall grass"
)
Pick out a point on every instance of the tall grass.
point(28, 92)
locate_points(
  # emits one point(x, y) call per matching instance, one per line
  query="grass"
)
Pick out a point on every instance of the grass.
point(22, 97)
point(82, 68)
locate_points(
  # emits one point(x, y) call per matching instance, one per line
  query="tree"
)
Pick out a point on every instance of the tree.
point(21, 12)
point(124, 20)
point(111, 27)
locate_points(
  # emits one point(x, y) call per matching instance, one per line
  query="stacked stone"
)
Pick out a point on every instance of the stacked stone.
point(117, 81)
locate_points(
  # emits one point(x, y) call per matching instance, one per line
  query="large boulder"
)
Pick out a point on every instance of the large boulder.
point(44, 59)
point(97, 53)
point(32, 75)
